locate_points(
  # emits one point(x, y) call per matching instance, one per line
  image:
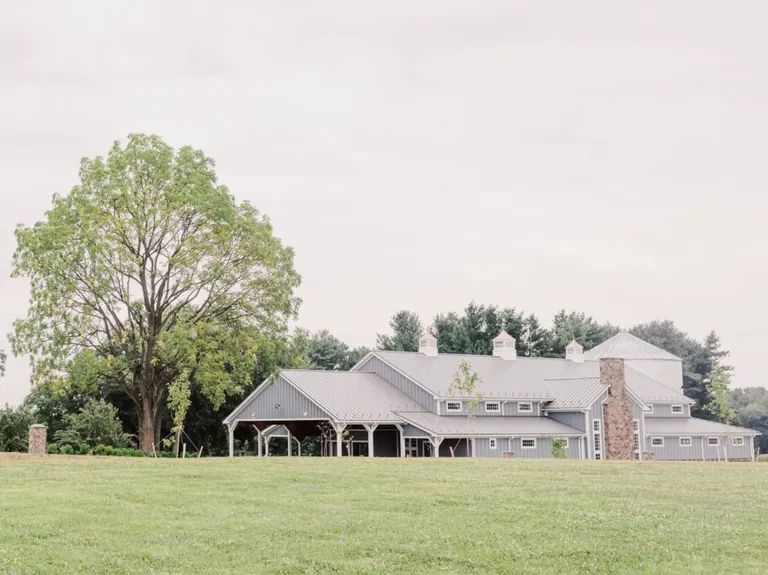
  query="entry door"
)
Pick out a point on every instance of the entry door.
point(411, 447)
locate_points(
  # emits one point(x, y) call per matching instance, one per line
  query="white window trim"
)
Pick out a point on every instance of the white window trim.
point(689, 444)
point(498, 344)
point(448, 408)
point(636, 434)
point(496, 403)
point(567, 443)
point(672, 409)
point(524, 439)
point(492, 443)
point(739, 444)
point(715, 444)
point(655, 439)
point(528, 403)
point(597, 429)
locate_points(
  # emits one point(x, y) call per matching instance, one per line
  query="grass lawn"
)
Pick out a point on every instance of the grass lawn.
point(312, 515)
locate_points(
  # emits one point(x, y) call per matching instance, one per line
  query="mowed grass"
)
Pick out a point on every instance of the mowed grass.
point(313, 515)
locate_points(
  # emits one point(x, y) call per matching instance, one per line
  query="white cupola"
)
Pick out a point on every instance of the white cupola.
point(428, 344)
point(504, 346)
point(574, 352)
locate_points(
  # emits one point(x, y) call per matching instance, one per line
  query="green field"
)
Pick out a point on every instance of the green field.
point(311, 515)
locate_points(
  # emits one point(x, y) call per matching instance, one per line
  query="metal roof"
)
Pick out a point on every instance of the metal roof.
point(350, 395)
point(652, 391)
point(499, 426)
point(624, 345)
point(575, 393)
point(580, 393)
point(522, 378)
point(691, 426)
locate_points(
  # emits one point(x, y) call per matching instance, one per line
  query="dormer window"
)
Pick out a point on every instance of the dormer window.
point(498, 344)
point(492, 406)
point(453, 406)
point(427, 343)
point(677, 409)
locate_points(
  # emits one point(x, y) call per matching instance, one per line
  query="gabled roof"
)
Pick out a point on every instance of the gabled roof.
point(652, 391)
point(575, 393)
point(491, 425)
point(351, 396)
point(499, 378)
point(624, 345)
point(691, 426)
point(581, 393)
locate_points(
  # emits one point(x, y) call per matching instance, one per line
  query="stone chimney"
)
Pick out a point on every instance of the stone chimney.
point(574, 352)
point(504, 346)
point(37, 436)
point(618, 428)
point(428, 344)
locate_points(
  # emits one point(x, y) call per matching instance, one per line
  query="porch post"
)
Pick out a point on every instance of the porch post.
point(752, 447)
point(266, 445)
point(232, 438)
point(370, 429)
point(402, 439)
point(298, 446)
point(339, 427)
point(290, 443)
point(259, 438)
point(436, 441)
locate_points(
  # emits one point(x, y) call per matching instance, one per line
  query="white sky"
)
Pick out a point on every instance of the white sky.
point(606, 157)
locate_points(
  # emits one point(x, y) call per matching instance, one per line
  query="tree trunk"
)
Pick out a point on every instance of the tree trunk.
point(146, 426)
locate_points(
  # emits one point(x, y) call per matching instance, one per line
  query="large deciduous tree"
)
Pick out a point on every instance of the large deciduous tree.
point(407, 329)
point(149, 267)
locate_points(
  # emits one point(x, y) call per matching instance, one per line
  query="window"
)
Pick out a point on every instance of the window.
point(649, 408)
point(524, 407)
point(498, 344)
point(453, 406)
point(677, 409)
point(492, 443)
point(510, 344)
point(713, 441)
point(657, 441)
point(685, 442)
point(529, 444)
point(493, 406)
point(597, 440)
point(737, 441)
point(566, 442)
point(570, 351)
point(636, 425)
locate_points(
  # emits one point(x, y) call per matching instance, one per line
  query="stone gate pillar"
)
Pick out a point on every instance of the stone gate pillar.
point(37, 435)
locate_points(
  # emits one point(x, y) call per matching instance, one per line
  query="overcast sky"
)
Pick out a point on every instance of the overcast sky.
point(607, 157)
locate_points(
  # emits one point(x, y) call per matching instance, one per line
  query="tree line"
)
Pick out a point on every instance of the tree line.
point(154, 290)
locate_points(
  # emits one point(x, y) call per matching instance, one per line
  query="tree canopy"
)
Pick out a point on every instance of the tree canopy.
point(148, 267)
point(407, 329)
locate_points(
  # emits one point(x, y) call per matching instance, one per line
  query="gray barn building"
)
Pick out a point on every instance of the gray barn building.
point(620, 400)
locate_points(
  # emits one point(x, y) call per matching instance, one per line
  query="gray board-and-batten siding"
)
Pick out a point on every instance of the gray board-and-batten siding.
point(278, 400)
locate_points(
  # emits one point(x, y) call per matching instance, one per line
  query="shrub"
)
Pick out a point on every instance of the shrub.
point(96, 423)
point(14, 429)
point(52, 449)
point(84, 449)
point(67, 450)
point(558, 448)
point(763, 458)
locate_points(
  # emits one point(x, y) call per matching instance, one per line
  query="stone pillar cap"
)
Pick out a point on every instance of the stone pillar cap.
point(38, 425)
